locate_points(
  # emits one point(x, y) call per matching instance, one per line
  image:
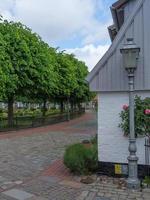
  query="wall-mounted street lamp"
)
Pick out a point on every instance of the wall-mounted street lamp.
point(130, 53)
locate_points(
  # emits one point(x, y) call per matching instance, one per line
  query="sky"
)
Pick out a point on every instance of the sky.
point(77, 26)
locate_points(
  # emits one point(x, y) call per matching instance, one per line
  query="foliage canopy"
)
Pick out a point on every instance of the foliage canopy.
point(31, 70)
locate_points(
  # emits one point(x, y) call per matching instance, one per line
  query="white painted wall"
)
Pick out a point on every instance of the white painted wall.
point(112, 145)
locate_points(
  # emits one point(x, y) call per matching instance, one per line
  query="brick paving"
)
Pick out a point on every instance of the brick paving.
point(57, 169)
point(31, 166)
point(106, 188)
point(85, 124)
point(32, 158)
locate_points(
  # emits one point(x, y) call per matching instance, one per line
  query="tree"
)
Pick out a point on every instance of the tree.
point(3, 68)
point(72, 86)
point(30, 69)
point(27, 63)
point(67, 81)
point(81, 92)
point(46, 84)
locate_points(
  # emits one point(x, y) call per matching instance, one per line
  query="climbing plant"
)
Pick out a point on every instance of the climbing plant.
point(142, 117)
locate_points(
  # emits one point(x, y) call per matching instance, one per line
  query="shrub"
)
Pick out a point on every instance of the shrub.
point(3, 115)
point(142, 117)
point(52, 112)
point(27, 112)
point(94, 140)
point(1, 110)
point(147, 180)
point(81, 160)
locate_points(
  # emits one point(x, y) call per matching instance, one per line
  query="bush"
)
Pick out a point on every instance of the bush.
point(94, 140)
point(142, 117)
point(147, 180)
point(81, 160)
point(1, 110)
point(27, 112)
point(52, 112)
point(3, 115)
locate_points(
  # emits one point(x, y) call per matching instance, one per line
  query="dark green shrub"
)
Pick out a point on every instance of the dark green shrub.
point(3, 113)
point(81, 160)
point(1, 110)
point(91, 158)
point(146, 180)
point(27, 112)
point(52, 112)
point(94, 140)
point(142, 119)
point(32, 109)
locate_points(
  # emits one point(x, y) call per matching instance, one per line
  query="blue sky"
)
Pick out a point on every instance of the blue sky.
point(102, 15)
point(78, 26)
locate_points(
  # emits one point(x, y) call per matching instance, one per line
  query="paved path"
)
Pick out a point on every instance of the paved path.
point(31, 166)
point(28, 156)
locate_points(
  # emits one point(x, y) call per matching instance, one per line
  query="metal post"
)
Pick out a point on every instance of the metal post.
point(132, 181)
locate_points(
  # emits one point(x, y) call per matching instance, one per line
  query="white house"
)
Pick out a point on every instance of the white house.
point(109, 79)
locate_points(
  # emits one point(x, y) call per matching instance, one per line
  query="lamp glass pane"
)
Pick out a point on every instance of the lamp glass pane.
point(130, 58)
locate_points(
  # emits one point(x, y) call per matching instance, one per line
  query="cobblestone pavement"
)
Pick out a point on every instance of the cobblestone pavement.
point(31, 166)
point(25, 154)
point(106, 188)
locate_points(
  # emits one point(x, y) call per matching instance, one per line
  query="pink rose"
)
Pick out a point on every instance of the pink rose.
point(147, 112)
point(125, 107)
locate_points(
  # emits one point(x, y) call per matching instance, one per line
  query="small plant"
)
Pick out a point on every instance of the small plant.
point(147, 180)
point(142, 117)
point(94, 140)
point(81, 160)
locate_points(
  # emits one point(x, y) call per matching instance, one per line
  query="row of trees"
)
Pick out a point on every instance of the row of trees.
point(31, 70)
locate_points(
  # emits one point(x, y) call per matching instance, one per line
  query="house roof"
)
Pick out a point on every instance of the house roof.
point(117, 10)
point(117, 39)
point(119, 3)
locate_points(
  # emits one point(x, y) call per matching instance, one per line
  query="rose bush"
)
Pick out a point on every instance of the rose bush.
point(142, 117)
point(125, 107)
point(147, 112)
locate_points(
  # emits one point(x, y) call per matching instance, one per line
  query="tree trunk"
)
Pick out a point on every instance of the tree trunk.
point(10, 112)
point(44, 109)
point(68, 111)
point(72, 106)
point(61, 106)
point(79, 107)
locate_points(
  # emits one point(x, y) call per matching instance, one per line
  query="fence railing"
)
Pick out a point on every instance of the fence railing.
point(22, 122)
point(147, 155)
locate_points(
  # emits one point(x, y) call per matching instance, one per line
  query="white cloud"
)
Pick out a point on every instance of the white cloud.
point(6, 4)
point(89, 54)
point(57, 20)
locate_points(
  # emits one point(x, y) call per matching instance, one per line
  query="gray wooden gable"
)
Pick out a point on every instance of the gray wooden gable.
point(109, 74)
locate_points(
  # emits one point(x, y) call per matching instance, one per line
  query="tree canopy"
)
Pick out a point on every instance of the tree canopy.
point(31, 69)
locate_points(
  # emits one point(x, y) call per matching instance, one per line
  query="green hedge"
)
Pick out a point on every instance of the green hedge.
point(80, 159)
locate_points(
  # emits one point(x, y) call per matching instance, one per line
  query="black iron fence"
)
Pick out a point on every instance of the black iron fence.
point(22, 122)
point(147, 155)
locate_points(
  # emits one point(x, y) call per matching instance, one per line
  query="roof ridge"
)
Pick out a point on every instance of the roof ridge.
point(119, 3)
point(115, 43)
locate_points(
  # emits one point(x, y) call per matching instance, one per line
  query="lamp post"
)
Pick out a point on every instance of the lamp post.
point(130, 53)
